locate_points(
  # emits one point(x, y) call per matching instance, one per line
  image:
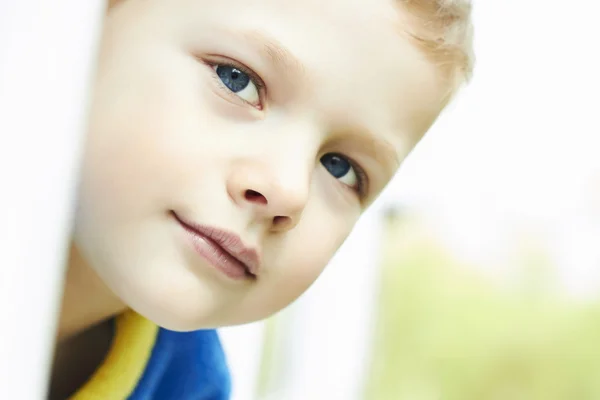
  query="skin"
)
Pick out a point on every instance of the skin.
point(167, 135)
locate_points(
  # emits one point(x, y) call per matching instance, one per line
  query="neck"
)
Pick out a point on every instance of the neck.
point(86, 299)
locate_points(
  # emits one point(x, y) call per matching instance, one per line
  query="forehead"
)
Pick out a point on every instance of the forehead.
point(347, 59)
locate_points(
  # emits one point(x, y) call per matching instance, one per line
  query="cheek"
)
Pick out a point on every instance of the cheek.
point(326, 222)
point(305, 253)
point(124, 166)
point(144, 147)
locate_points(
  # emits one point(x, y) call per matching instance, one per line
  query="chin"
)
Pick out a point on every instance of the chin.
point(176, 321)
point(181, 313)
point(183, 320)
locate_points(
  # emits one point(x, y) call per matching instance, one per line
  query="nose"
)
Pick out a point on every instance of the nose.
point(276, 195)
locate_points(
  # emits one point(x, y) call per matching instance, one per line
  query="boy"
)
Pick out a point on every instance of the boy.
point(232, 146)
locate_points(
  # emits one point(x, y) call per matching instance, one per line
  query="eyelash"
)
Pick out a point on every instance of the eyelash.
point(362, 187)
point(261, 87)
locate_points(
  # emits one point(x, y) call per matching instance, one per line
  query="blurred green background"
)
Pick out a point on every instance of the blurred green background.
point(446, 331)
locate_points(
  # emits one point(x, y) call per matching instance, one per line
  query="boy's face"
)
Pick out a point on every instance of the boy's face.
point(277, 121)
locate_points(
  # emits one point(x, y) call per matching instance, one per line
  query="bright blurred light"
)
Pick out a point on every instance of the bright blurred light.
point(519, 147)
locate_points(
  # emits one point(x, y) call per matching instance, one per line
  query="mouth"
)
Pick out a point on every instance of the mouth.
point(224, 250)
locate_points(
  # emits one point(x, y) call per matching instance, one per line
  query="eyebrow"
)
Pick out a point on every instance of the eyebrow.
point(379, 148)
point(390, 153)
point(278, 55)
point(382, 150)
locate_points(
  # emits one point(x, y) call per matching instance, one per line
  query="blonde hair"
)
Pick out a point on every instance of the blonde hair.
point(444, 31)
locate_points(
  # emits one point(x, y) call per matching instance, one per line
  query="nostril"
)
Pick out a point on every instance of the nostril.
point(281, 221)
point(255, 197)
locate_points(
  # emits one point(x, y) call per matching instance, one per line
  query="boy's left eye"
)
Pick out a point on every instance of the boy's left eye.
point(342, 169)
point(240, 83)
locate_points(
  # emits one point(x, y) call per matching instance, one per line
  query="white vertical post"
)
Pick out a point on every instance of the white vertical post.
point(243, 346)
point(47, 54)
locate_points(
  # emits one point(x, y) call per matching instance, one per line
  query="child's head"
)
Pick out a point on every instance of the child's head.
point(277, 121)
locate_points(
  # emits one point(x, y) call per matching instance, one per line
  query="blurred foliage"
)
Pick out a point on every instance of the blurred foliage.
point(446, 332)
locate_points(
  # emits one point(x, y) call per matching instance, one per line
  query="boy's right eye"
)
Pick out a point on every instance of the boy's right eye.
point(241, 83)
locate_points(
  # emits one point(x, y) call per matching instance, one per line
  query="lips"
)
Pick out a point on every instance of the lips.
point(224, 250)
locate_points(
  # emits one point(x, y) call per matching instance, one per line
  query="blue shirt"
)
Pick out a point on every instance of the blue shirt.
point(146, 362)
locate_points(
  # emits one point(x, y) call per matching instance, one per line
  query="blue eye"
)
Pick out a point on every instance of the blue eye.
point(340, 168)
point(336, 165)
point(233, 78)
point(239, 82)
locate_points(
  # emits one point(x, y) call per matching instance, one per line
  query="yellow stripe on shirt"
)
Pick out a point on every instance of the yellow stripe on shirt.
point(124, 365)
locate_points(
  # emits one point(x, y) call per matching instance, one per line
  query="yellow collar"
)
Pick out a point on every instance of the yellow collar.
point(118, 375)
